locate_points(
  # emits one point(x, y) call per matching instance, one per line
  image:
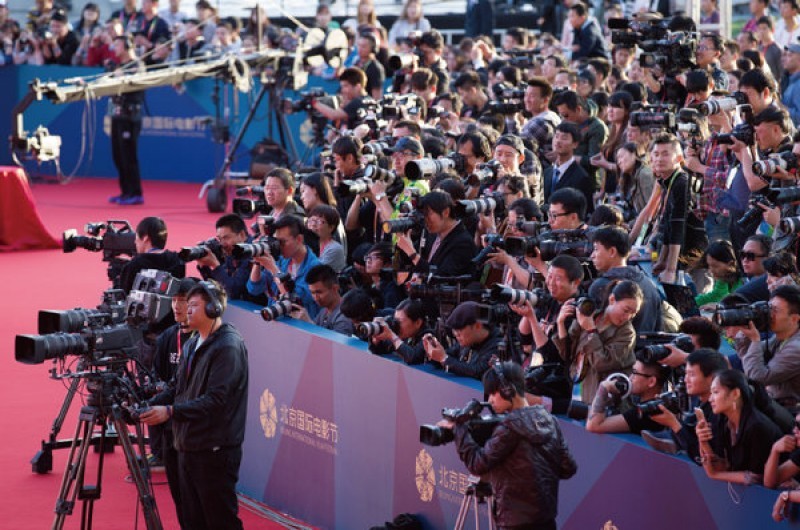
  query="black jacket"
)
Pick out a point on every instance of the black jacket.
point(167, 261)
point(454, 255)
point(210, 402)
point(472, 361)
point(412, 350)
point(523, 461)
point(574, 177)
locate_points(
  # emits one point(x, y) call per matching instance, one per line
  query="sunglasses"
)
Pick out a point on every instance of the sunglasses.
point(750, 256)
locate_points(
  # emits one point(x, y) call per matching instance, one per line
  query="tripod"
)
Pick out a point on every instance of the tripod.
point(73, 487)
point(478, 492)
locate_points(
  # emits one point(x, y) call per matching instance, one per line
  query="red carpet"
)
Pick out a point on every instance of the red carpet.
point(50, 279)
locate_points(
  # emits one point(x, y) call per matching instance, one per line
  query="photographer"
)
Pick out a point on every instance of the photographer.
point(352, 88)
point(406, 338)
point(207, 403)
point(524, 459)
point(378, 264)
point(404, 151)
point(296, 260)
point(701, 365)
point(775, 363)
point(367, 47)
point(324, 221)
point(647, 381)
point(610, 258)
point(598, 344)
point(323, 284)
point(473, 95)
point(231, 273)
point(150, 240)
point(448, 245)
point(431, 47)
point(709, 50)
point(542, 126)
point(680, 232)
point(475, 148)
point(60, 43)
point(476, 343)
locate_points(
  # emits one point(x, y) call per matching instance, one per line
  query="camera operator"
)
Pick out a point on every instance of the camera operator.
point(701, 365)
point(378, 262)
point(542, 126)
point(423, 83)
point(709, 50)
point(60, 43)
point(167, 359)
point(680, 232)
point(448, 245)
point(207, 403)
point(775, 363)
point(610, 257)
point(566, 171)
point(406, 338)
point(476, 343)
point(524, 459)
point(647, 381)
point(476, 149)
point(404, 151)
point(296, 260)
point(601, 343)
point(323, 284)
point(232, 273)
point(431, 47)
point(352, 87)
point(150, 240)
point(760, 89)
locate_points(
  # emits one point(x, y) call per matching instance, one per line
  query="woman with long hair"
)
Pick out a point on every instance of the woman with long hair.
point(599, 343)
point(365, 16)
point(720, 260)
point(636, 179)
point(619, 111)
point(410, 19)
point(736, 447)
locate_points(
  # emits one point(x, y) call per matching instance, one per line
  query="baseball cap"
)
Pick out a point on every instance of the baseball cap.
point(794, 48)
point(408, 143)
point(511, 141)
point(464, 315)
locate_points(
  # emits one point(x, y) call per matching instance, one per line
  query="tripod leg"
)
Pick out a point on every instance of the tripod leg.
point(475, 505)
point(42, 462)
point(463, 510)
point(490, 509)
point(137, 465)
point(72, 482)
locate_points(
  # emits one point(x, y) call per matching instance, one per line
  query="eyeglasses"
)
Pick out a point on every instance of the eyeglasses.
point(641, 374)
point(556, 215)
point(751, 256)
point(371, 258)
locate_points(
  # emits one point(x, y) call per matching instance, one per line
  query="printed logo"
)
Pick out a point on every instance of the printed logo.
point(268, 414)
point(425, 476)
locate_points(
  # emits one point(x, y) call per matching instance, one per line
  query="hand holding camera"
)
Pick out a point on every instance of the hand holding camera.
point(433, 349)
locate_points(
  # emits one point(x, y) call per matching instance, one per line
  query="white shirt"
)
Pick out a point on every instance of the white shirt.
point(784, 37)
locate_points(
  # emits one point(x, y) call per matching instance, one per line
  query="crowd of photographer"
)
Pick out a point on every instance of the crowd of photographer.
point(615, 214)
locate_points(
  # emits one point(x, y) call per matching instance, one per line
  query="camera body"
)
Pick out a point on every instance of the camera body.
point(742, 314)
point(428, 167)
point(267, 245)
point(650, 347)
point(480, 427)
point(201, 250)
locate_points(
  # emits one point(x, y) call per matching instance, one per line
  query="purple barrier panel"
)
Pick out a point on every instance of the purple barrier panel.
point(333, 438)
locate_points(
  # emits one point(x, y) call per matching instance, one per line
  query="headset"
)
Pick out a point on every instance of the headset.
point(507, 390)
point(213, 307)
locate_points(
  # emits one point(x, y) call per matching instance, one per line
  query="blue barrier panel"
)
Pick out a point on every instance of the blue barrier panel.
point(174, 144)
point(333, 438)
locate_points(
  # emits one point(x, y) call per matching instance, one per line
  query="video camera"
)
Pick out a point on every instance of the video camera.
point(428, 167)
point(650, 347)
point(509, 99)
point(150, 299)
point(654, 117)
point(397, 106)
point(671, 51)
point(480, 427)
point(550, 244)
point(247, 208)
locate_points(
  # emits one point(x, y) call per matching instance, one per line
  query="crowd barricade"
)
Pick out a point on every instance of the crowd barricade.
point(333, 439)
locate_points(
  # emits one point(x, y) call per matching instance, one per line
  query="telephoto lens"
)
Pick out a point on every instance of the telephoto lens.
point(277, 310)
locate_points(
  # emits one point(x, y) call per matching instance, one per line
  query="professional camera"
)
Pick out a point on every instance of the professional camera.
point(465, 208)
point(480, 427)
point(118, 238)
point(672, 51)
point(414, 221)
point(202, 249)
point(650, 347)
point(150, 299)
point(96, 340)
point(484, 173)
point(505, 294)
point(653, 117)
point(402, 61)
point(447, 294)
point(785, 160)
point(428, 167)
point(109, 312)
point(722, 104)
point(306, 98)
point(532, 228)
point(522, 58)
point(742, 314)
point(586, 306)
point(367, 330)
point(247, 208)
point(621, 202)
point(670, 400)
point(262, 247)
point(768, 198)
point(376, 147)
point(277, 310)
point(397, 106)
point(375, 173)
point(745, 132)
point(506, 107)
point(629, 32)
point(494, 242)
point(790, 225)
point(550, 244)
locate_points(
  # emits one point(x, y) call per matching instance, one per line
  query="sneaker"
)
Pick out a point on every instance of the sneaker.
point(153, 461)
point(131, 201)
point(663, 445)
point(115, 199)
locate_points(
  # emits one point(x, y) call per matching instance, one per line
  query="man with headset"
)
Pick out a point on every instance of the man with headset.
point(524, 459)
point(207, 403)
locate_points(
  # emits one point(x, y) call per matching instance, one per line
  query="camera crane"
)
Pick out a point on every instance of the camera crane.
point(279, 69)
